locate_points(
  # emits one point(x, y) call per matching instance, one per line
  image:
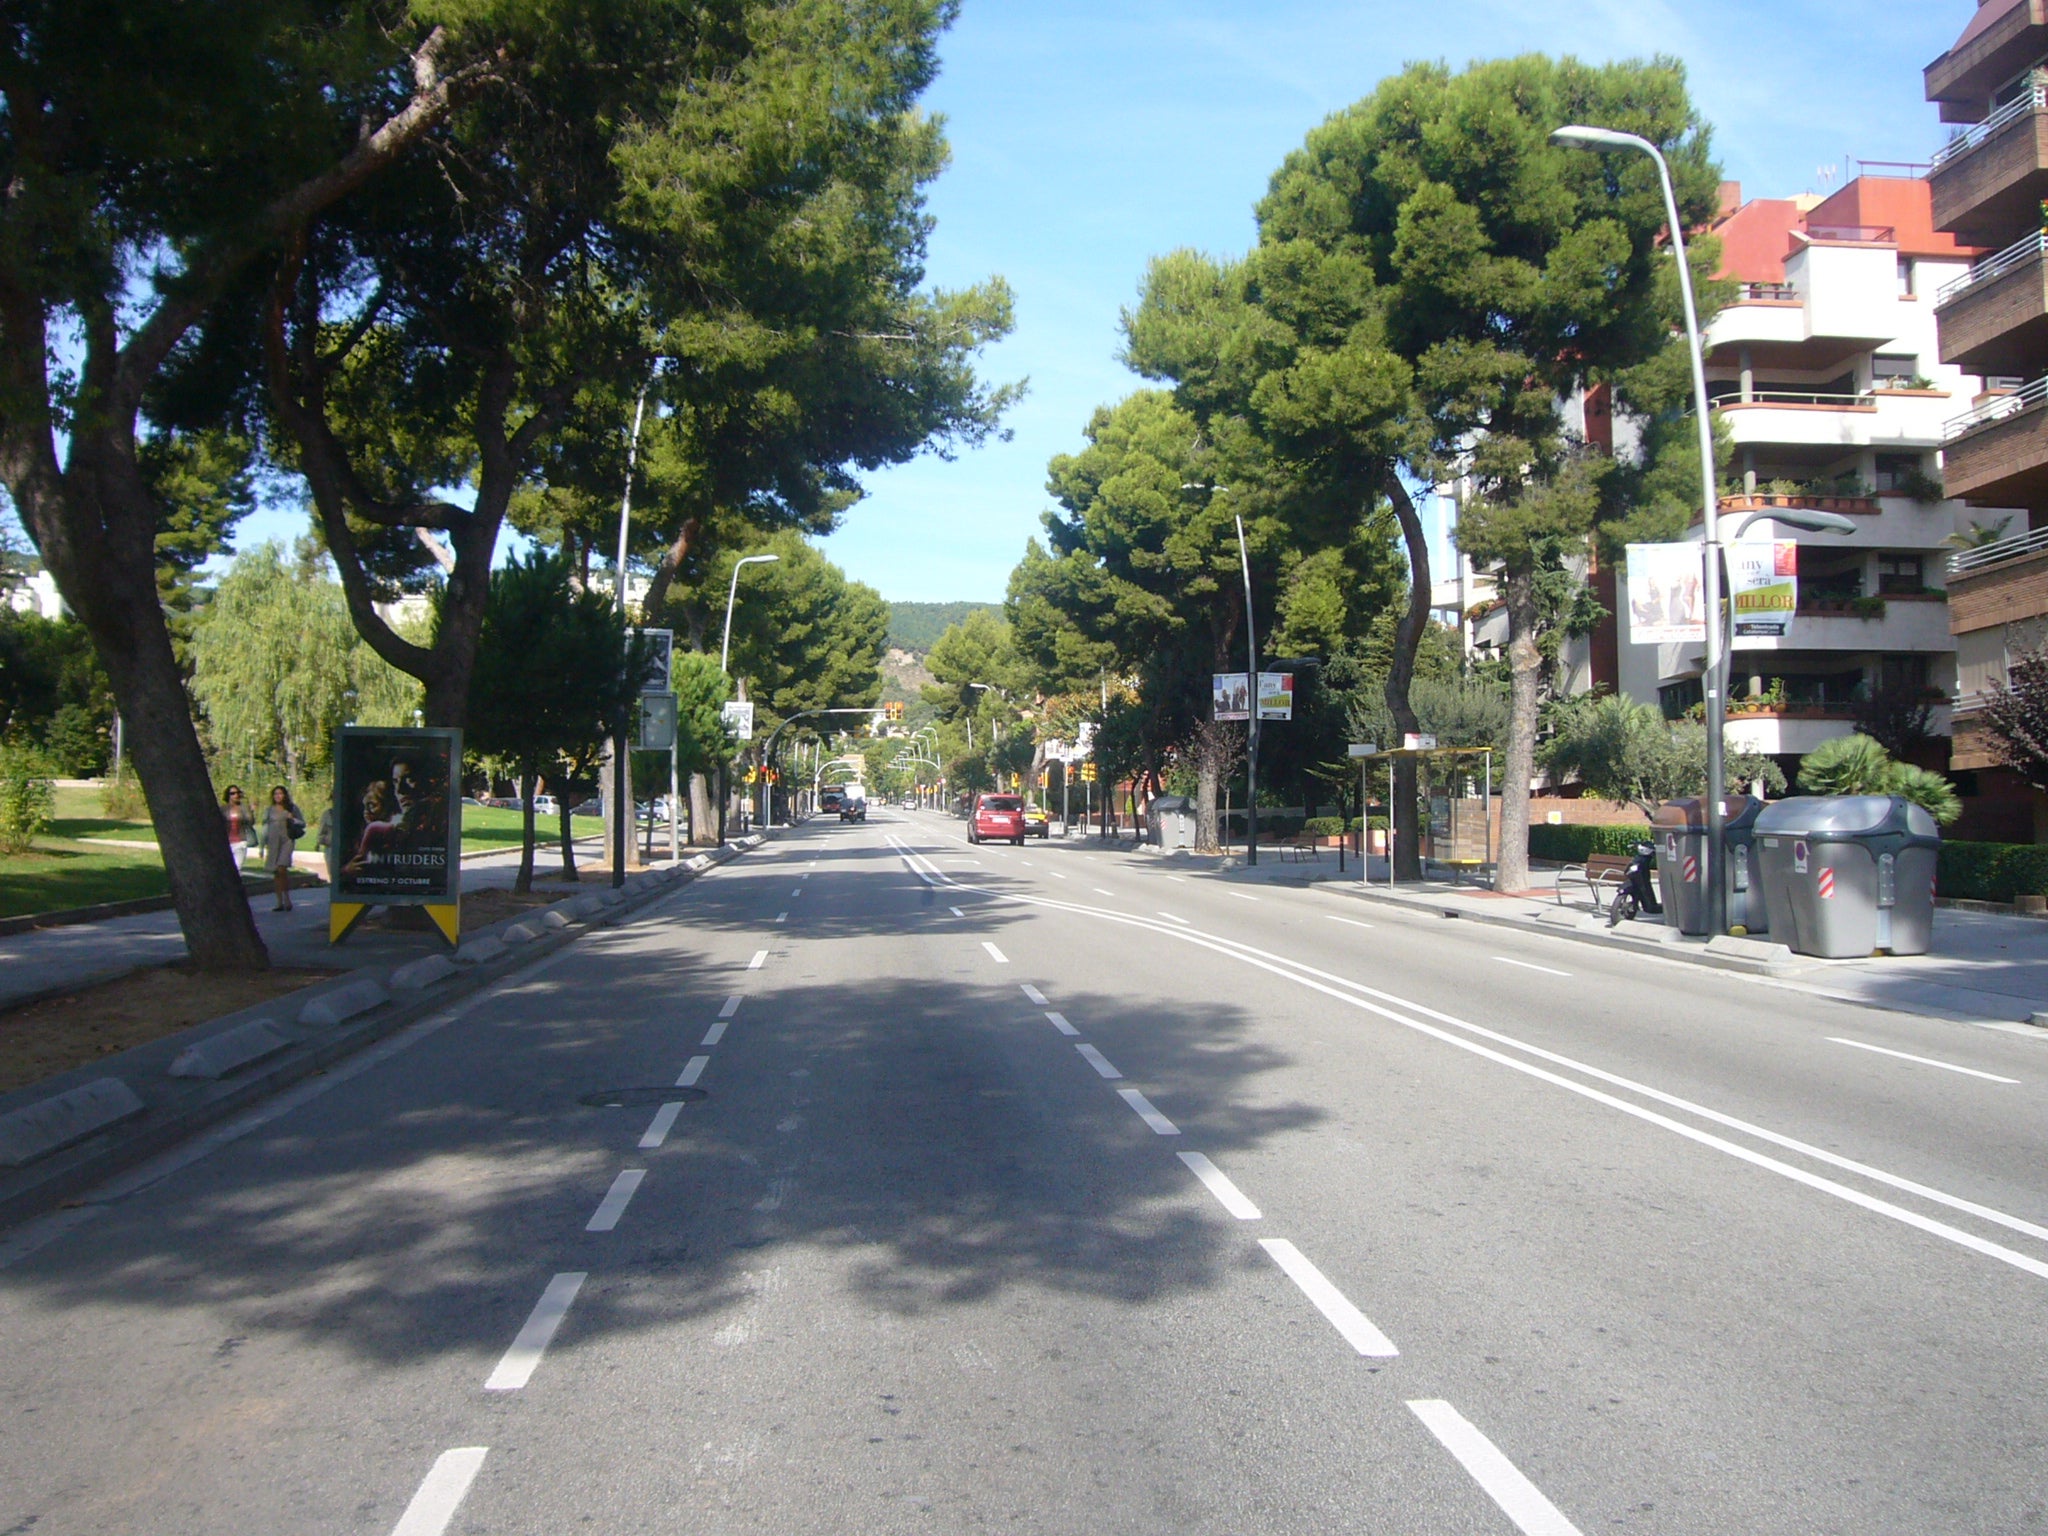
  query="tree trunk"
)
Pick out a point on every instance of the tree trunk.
point(568, 840)
point(96, 530)
point(702, 817)
point(1525, 664)
point(1402, 814)
point(527, 780)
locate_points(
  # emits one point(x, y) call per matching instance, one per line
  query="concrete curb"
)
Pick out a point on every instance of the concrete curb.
point(69, 1133)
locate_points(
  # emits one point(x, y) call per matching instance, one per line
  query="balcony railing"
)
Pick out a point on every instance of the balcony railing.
point(1995, 410)
point(2018, 254)
point(2020, 106)
point(1767, 293)
point(1856, 234)
point(1994, 553)
point(1797, 397)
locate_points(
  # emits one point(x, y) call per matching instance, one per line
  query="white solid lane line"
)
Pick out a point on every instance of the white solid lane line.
point(658, 1128)
point(1059, 1022)
point(692, 1071)
point(516, 1369)
point(442, 1492)
point(1348, 922)
point(1925, 1061)
point(716, 1032)
point(732, 1006)
point(615, 1200)
point(1218, 1184)
point(1527, 966)
point(1172, 919)
point(1519, 1499)
point(760, 959)
point(1356, 1327)
point(995, 954)
point(1161, 1126)
point(1098, 1061)
point(1034, 994)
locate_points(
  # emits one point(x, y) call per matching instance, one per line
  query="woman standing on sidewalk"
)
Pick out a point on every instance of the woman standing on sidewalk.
point(283, 825)
point(235, 815)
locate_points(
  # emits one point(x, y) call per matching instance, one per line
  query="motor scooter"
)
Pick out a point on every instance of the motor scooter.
point(1638, 891)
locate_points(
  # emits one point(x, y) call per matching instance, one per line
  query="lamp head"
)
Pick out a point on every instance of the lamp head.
point(1579, 136)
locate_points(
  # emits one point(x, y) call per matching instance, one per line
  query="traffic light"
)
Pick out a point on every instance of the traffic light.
point(1087, 773)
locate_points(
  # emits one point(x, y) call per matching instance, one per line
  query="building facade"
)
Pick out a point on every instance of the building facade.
point(1989, 187)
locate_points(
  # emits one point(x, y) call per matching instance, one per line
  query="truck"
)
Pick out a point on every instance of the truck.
point(853, 802)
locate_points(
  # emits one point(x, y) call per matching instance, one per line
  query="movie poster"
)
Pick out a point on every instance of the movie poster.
point(397, 816)
point(1763, 586)
point(1230, 696)
point(1665, 603)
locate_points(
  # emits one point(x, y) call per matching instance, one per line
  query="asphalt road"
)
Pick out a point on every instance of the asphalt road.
point(1047, 1190)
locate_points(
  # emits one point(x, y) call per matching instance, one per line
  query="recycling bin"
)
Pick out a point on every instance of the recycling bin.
point(1171, 825)
point(1679, 828)
point(1849, 875)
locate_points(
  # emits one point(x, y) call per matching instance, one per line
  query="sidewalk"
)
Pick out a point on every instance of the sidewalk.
point(1984, 968)
point(50, 960)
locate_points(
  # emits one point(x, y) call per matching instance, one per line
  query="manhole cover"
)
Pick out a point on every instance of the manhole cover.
point(633, 1098)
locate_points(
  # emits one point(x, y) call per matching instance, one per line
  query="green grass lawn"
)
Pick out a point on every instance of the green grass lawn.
point(59, 873)
point(486, 827)
point(79, 814)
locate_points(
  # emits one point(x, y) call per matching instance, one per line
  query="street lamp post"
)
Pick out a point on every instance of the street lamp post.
point(1579, 136)
point(1251, 750)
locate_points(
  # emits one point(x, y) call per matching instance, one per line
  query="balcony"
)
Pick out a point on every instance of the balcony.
point(1998, 584)
point(1994, 318)
point(1836, 423)
point(1993, 51)
point(1997, 454)
point(1987, 184)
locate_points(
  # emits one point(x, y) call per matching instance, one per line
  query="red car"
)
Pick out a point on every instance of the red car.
point(998, 817)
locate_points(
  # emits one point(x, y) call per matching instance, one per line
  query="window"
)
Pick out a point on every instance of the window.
point(1902, 674)
point(1905, 276)
point(1899, 575)
point(1898, 473)
point(1891, 370)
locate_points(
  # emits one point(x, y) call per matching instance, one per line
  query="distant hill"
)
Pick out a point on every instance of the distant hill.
point(916, 627)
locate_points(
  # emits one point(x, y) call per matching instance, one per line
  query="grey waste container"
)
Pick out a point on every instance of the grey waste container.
point(1680, 832)
point(1172, 823)
point(1848, 875)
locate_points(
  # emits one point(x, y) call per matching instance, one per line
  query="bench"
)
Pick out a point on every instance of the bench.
point(1300, 853)
point(1602, 872)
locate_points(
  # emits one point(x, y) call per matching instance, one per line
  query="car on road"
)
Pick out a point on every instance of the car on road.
point(1036, 822)
point(998, 818)
point(546, 805)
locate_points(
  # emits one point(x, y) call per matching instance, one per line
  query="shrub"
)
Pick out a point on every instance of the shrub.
point(1573, 845)
point(75, 743)
point(1991, 871)
point(27, 797)
point(1323, 826)
point(121, 800)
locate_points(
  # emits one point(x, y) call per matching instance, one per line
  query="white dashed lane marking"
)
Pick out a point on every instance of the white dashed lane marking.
point(517, 1367)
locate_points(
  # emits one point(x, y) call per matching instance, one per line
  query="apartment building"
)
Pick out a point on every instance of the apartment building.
point(1826, 374)
point(1989, 187)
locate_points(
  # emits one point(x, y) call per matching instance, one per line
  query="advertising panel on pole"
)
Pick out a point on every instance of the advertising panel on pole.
point(1276, 695)
point(1763, 587)
point(1665, 602)
point(657, 722)
point(738, 716)
point(661, 646)
point(1230, 696)
point(397, 824)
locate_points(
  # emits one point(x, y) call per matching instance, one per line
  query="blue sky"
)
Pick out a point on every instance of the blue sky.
point(1088, 137)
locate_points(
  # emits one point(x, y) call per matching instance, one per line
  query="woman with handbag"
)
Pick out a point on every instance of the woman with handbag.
point(283, 825)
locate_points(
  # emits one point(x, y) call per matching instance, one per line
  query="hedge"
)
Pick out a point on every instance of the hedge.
point(1991, 871)
point(1573, 844)
point(1964, 872)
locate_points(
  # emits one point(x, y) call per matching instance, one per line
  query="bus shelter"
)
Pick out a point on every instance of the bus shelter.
point(1457, 828)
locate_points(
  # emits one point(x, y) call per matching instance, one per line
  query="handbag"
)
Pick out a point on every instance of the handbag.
point(294, 826)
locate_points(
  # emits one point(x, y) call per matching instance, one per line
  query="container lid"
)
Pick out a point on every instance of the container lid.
point(1692, 812)
point(1173, 803)
point(1838, 815)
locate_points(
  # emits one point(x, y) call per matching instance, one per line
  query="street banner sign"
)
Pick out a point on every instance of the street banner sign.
point(1230, 695)
point(661, 645)
point(397, 825)
point(1276, 695)
point(738, 716)
point(1763, 586)
point(1665, 605)
point(1364, 749)
point(657, 722)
